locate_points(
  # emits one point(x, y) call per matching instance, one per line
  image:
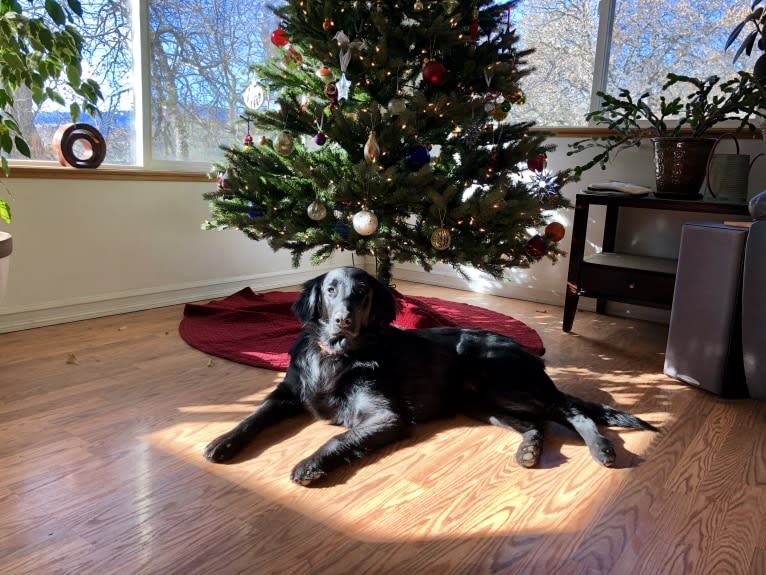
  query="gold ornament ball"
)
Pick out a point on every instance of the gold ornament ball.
point(284, 144)
point(441, 238)
point(317, 210)
point(499, 114)
point(365, 222)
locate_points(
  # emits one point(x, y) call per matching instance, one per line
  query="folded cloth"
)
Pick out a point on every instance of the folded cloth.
point(622, 187)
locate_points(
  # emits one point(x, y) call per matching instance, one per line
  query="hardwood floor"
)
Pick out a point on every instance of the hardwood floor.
point(104, 421)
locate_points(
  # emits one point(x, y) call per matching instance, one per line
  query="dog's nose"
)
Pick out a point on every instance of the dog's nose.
point(342, 320)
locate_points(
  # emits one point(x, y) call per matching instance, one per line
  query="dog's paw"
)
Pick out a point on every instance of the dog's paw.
point(306, 472)
point(223, 447)
point(528, 454)
point(603, 452)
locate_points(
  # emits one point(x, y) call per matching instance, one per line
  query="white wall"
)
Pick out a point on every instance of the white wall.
point(89, 248)
point(652, 232)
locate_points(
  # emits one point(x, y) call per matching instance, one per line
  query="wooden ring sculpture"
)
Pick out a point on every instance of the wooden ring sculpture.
point(92, 150)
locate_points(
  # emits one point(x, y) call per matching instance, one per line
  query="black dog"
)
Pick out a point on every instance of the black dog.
point(350, 366)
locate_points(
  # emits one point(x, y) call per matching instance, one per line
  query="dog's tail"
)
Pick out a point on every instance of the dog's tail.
point(606, 415)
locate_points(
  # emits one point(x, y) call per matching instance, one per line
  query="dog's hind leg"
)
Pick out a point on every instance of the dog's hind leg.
point(531, 447)
point(600, 447)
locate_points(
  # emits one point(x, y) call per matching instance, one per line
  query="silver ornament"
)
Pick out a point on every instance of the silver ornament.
point(397, 106)
point(284, 144)
point(317, 210)
point(365, 222)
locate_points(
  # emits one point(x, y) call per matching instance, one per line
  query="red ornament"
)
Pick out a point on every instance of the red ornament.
point(292, 56)
point(279, 37)
point(536, 247)
point(473, 29)
point(248, 140)
point(537, 164)
point(555, 231)
point(331, 91)
point(434, 73)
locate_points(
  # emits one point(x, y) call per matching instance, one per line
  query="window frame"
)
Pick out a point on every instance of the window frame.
point(148, 168)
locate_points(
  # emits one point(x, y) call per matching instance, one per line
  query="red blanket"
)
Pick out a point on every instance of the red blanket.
point(258, 328)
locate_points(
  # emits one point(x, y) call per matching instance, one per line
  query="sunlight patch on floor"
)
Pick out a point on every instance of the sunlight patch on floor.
point(390, 498)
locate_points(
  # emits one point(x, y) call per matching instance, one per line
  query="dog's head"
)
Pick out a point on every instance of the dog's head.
point(346, 303)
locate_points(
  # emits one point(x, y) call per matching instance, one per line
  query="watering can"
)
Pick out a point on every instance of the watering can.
point(727, 175)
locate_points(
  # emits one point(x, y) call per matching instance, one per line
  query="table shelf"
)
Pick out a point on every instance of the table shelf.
point(627, 278)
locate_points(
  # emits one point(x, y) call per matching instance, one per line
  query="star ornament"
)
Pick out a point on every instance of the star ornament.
point(343, 85)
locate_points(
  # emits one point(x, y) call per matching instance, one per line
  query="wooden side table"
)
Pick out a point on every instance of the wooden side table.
point(614, 276)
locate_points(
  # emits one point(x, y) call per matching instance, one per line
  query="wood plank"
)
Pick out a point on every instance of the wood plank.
point(103, 473)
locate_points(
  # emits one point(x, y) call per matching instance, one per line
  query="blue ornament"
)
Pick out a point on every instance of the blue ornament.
point(417, 157)
point(341, 229)
point(254, 212)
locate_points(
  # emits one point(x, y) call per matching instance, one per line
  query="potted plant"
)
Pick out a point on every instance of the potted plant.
point(676, 126)
point(40, 51)
point(756, 17)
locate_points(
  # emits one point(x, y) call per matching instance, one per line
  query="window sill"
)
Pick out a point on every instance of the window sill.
point(55, 172)
point(585, 132)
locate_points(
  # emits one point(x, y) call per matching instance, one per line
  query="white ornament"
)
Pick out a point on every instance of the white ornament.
point(255, 95)
point(343, 85)
point(365, 222)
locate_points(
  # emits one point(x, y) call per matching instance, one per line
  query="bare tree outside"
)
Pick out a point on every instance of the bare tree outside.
point(564, 35)
point(650, 38)
point(201, 54)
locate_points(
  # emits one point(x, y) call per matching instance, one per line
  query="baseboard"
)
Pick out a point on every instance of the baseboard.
point(488, 286)
point(76, 309)
point(547, 297)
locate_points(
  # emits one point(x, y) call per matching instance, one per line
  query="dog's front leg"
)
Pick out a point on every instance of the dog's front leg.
point(365, 437)
point(278, 405)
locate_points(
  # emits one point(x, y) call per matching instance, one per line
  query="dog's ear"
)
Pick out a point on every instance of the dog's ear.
point(384, 306)
point(308, 306)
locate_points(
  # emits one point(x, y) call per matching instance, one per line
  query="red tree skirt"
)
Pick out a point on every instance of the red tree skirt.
point(258, 329)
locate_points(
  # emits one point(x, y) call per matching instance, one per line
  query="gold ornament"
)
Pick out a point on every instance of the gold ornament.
point(397, 106)
point(317, 210)
point(371, 149)
point(365, 222)
point(441, 238)
point(284, 144)
point(499, 114)
point(418, 6)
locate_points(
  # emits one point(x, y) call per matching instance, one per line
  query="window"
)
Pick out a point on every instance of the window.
point(192, 66)
point(585, 46)
point(174, 72)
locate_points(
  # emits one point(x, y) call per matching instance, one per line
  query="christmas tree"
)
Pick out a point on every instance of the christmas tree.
point(389, 130)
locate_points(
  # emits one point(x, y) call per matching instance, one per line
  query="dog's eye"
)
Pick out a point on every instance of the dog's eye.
point(360, 289)
point(331, 290)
